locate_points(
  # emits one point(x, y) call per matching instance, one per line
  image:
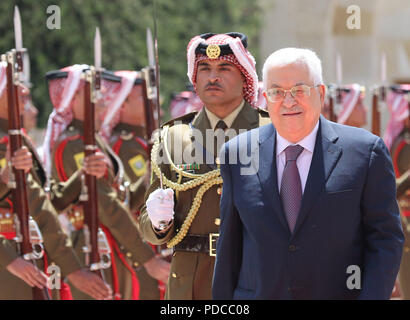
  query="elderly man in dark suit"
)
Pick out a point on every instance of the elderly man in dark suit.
point(317, 218)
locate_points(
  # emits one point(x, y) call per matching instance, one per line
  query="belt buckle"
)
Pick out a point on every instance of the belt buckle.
point(213, 237)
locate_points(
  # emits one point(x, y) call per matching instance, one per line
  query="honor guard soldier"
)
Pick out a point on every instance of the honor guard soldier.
point(352, 111)
point(16, 274)
point(124, 129)
point(185, 215)
point(64, 155)
point(397, 138)
point(184, 102)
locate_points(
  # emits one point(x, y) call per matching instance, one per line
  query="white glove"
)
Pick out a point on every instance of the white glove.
point(160, 206)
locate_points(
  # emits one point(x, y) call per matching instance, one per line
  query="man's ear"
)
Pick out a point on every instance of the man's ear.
point(322, 93)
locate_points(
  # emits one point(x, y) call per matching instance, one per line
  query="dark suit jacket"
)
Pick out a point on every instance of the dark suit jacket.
point(349, 216)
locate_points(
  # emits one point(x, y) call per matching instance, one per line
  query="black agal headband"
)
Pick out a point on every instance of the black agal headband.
point(213, 51)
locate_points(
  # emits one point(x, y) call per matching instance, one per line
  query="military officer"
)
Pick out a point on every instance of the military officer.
point(185, 215)
point(397, 138)
point(16, 274)
point(64, 154)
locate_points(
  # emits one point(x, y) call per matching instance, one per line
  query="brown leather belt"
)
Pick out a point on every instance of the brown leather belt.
point(202, 243)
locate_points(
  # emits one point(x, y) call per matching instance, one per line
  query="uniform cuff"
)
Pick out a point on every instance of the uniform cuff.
point(7, 253)
point(68, 263)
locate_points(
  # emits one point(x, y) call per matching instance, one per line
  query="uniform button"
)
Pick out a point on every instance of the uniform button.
point(292, 247)
point(136, 264)
point(219, 191)
point(406, 249)
point(129, 254)
point(174, 275)
point(217, 221)
point(70, 128)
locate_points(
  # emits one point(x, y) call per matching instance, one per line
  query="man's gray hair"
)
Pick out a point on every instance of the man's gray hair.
point(287, 56)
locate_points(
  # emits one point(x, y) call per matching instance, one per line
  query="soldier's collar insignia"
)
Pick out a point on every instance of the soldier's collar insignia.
point(213, 51)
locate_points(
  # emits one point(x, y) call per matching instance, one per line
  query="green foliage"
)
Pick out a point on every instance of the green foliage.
point(123, 26)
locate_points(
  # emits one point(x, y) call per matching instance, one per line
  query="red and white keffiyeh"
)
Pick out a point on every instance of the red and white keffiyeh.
point(397, 103)
point(183, 103)
point(241, 58)
point(349, 101)
point(114, 96)
point(61, 92)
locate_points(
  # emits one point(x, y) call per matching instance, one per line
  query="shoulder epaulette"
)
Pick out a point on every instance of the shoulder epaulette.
point(186, 118)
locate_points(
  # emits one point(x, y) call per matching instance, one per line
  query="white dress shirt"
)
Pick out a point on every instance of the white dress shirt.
point(304, 160)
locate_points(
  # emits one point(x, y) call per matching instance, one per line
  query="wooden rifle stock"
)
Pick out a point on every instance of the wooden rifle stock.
point(332, 115)
point(19, 190)
point(375, 113)
point(91, 204)
point(150, 124)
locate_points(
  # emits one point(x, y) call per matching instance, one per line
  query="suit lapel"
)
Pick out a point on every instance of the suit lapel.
point(267, 172)
point(325, 157)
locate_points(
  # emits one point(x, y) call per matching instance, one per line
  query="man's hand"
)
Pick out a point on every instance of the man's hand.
point(90, 284)
point(22, 159)
point(96, 164)
point(27, 272)
point(158, 268)
point(160, 206)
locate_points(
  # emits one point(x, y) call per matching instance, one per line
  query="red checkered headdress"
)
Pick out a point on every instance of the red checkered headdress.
point(62, 85)
point(230, 47)
point(114, 96)
point(183, 103)
point(351, 94)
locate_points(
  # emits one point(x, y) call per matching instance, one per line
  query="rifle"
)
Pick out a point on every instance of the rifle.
point(375, 111)
point(331, 97)
point(149, 93)
point(28, 235)
point(378, 94)
point(96, 246)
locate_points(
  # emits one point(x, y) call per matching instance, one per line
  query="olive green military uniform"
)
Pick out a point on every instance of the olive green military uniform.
point(192, 262)
point(127, 143)
point(57, 244)
point(113, 214)
point(400, 152)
